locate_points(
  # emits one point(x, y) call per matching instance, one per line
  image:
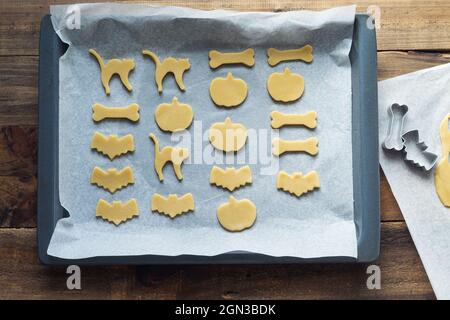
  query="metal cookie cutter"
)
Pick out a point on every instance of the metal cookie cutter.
point(415, 151)
point(394, 140)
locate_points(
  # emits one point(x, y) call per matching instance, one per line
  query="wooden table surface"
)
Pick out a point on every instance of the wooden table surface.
point(414, 34)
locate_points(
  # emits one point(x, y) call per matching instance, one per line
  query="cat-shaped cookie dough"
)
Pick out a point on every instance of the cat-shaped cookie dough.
point(169, 65)
point(121, 67)
point(172, 154)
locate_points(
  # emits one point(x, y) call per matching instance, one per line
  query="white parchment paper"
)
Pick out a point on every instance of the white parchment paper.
point(427, 94)
point(318, 224)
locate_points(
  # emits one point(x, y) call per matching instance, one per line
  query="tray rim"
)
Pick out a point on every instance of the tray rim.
point(367, 221)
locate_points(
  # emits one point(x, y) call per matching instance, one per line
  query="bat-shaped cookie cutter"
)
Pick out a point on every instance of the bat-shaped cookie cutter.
point(101, 112)
point(394, 140)
point(280, 146)
point(280, 119)
point(246, 57)
point(276, 56)
point(415, 151)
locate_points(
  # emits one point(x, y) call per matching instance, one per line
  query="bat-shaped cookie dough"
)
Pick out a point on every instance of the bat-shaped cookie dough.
point(112, 145)
point(276, 56)
point(230, 178)
point(112, 179)
point(297, 183)
point(279, 119)
point(246, 57)
point(280, 146)
point(172, 205)
point(117, 212)
point(101, 112)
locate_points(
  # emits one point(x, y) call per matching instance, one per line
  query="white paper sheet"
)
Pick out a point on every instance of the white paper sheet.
point(427, 94)
point(318, 224)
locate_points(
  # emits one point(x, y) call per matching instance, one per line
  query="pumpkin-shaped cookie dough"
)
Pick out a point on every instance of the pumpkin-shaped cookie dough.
point(173, 116)
point(227, 136)
point(228, 92)
point(236, 215)
point(285, 86)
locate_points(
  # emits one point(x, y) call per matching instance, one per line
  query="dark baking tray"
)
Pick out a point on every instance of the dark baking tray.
point(366, 182)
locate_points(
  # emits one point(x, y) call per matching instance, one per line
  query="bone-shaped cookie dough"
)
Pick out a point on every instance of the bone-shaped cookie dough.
point(101, 112)
point(230, 178)
point(246, 57)
point(117, 212)
point(280, 146)
point(280, 119)
point(112, 145)
point(112, 179)
point(172, 205)
point(297, 183)
point(276, 56)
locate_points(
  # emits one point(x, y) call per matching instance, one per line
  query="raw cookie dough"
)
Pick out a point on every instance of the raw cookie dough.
point(227, 136)
point(168, 154)
point(279, 119)
point(246, 57)
point(117, 212)
point(280, 146)
point(236, 215)
point(230, 178)
point(121, 67)
point(297, 183)
point(101, 112)
point(442, 172)
point(172, 205)
point(173, 116)
point(228, 92)
point(169, 65)
point(285, 86)
point(112, 145)
point(112, 179)
point(276, 56)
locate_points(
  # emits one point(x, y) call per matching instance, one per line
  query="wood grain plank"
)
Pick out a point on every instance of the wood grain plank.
point(22, 277)
point(405, 24)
